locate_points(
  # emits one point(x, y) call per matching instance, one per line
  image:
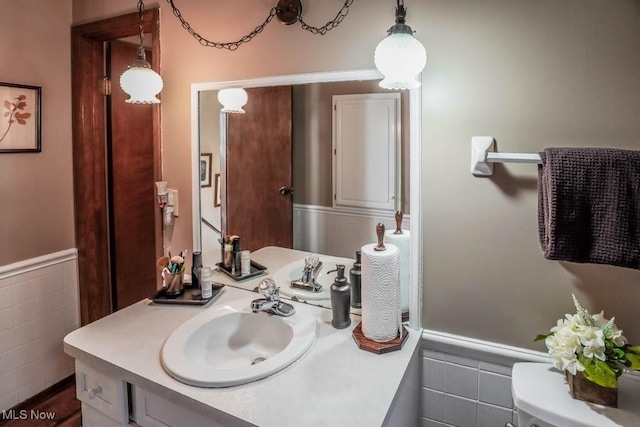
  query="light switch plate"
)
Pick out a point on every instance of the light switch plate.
point(172, 200)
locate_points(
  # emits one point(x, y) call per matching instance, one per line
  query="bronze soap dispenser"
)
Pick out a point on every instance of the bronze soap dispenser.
point(340, 299)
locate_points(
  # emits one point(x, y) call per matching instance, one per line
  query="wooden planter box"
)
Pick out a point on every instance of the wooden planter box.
point(582, 389)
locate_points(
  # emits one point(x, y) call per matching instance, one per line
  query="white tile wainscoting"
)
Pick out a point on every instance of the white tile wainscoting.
point(467, 382)
point(38, 307)
point(338, 232)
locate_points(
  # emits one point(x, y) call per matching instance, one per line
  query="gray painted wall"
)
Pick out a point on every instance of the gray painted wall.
point(533, 75)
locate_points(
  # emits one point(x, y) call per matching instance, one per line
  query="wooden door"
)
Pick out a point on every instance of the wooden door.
point(89, 154)
point(131, 181)
point(257, 166)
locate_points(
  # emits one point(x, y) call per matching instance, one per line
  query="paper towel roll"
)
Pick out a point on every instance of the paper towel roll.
point(403, 243)
point(381, 316)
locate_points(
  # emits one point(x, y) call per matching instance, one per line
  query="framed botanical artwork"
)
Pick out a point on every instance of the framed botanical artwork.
point(216, 191)
point(205, 169)
point(20, 119)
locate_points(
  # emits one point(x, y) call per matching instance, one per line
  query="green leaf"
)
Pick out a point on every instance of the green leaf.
point(541, 337)
point(635, 349)
point(633, 357)
point(598, 372)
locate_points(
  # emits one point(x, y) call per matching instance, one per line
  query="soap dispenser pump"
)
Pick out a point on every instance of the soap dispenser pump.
point(340, 299)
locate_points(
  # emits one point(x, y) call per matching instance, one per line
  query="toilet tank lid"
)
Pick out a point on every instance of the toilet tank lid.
point(542, 391)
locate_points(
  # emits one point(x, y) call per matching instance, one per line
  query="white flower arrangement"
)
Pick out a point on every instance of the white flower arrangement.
point(590, 344)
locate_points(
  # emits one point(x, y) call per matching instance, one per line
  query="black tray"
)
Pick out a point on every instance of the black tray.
point(254, 271)
point(190, 296)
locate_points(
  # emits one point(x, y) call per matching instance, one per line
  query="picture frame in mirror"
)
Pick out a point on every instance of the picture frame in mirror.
point(205, 169)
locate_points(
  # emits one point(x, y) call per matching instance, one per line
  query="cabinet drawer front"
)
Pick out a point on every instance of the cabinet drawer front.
point(94, 418)
point(155, 411)
point(106, 394)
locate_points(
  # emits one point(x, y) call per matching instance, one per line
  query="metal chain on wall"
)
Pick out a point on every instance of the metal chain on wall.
point(329, 25)
point(272, 13)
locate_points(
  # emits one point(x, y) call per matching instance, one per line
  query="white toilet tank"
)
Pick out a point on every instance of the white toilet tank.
point(541, 396)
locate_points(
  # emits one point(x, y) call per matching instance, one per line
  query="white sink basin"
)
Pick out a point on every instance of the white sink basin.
point(230, 345)
point(293, 271)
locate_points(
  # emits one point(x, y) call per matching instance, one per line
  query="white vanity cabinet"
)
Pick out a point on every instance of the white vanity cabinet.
point(112, 402)
point(121, 381)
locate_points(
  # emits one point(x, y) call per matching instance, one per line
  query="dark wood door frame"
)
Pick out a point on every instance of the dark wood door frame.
point(89, 158)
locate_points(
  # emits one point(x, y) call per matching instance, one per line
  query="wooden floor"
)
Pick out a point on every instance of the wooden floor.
point(60, 406)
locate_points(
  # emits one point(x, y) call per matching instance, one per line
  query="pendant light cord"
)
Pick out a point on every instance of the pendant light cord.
point(247, 38)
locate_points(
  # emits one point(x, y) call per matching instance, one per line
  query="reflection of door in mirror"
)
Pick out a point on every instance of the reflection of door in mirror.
point(366, 135)
point(321, 223)
point(257, 166)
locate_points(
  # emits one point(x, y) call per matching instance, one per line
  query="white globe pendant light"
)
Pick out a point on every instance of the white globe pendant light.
point(232, 100)
point(400, 56)
point(139, 81)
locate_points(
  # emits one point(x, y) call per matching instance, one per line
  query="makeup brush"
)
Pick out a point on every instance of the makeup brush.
point(163, 261)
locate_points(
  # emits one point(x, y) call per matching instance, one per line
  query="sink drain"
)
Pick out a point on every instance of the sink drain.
point(258, 360)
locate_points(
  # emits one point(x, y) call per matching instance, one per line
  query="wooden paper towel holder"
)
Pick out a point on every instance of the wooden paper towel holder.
point(366, 344)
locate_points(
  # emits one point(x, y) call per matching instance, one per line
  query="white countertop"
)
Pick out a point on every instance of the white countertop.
point(335, 383)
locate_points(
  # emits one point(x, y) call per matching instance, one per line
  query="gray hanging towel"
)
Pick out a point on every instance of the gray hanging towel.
point(589, 205)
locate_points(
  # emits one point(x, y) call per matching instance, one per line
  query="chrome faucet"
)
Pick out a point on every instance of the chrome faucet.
point(271, 302)
point(312, 267)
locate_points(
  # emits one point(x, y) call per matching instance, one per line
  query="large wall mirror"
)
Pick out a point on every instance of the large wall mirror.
point(316, 186)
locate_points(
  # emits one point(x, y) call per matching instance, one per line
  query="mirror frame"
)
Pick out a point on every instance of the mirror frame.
point(415, 167)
